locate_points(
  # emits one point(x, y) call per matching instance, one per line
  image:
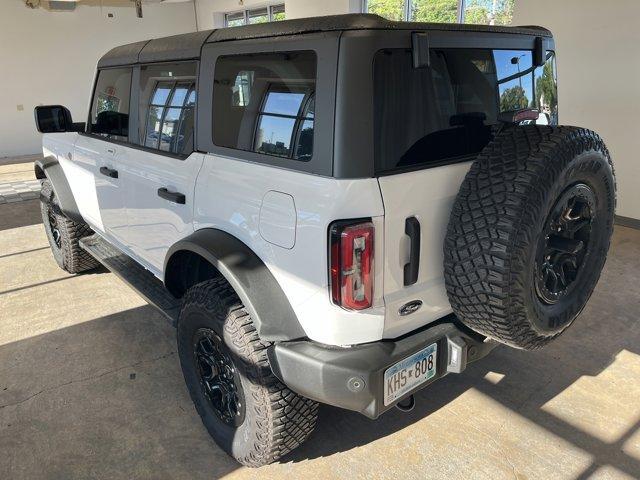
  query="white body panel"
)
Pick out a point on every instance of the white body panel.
point(282, 215)
point(428, 195)
point(229, 196)
point(154, 223)
point(100, 198)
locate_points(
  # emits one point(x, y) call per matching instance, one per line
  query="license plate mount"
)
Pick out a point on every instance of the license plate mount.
point(409, 373)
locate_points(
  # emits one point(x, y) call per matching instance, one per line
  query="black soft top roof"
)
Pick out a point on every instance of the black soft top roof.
point(187, 46)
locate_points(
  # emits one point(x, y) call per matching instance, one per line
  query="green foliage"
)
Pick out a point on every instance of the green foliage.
point(479, 12)
point(445, 11)
point(391, 9)
point(435, 11)
point(546, 87)
point(513, 98)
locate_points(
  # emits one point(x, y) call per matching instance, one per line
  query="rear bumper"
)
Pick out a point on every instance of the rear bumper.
point(352, 378)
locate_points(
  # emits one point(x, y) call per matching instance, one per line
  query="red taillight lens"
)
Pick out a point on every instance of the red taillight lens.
point(351, 264)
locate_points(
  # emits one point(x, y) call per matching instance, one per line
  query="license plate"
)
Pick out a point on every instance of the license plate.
point(407, 374)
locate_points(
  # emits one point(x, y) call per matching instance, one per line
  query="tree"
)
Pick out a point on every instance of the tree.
point(497, 12)
point(481, 12)
point(391, 9)
point(435, 11)
point(513, 98)
point(546, 88)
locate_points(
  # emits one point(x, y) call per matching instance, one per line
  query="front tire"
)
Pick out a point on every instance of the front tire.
point(64, 234)
point(249, 413)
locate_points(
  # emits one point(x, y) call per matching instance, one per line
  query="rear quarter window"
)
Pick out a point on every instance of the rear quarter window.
point(448, 111)
point(265, 103)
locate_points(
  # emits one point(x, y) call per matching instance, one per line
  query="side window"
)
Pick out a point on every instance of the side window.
point(167, 104)
point(110, 105)
point(265, 103)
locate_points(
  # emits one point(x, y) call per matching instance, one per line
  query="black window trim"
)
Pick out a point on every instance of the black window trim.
point(135, 77)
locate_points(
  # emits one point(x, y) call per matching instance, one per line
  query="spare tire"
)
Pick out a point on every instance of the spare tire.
point(529, 233)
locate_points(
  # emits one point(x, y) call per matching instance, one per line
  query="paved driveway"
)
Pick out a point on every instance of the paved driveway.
point(90, 387)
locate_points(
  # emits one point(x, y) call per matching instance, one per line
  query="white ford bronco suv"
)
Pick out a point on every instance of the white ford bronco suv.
point(334, 210)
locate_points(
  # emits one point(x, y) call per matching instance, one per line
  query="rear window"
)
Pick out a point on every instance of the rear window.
point(448, 111)
point(265, 103)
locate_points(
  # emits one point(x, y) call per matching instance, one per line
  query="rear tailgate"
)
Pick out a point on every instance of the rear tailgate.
point(427, 195)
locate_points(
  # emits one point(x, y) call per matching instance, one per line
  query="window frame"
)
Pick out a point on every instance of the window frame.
point(245, 13)
point(326, 46)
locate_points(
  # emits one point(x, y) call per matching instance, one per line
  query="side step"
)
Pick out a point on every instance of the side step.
point(136, 276)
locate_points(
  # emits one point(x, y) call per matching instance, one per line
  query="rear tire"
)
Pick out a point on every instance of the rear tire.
point(258, 420)
point(529, 233)
point(64, 234)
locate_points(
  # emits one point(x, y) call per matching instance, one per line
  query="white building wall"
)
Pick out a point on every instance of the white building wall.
point(50, 57)
point(599, 73)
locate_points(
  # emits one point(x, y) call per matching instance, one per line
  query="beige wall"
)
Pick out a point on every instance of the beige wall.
point(599, 77)
point(50, 57)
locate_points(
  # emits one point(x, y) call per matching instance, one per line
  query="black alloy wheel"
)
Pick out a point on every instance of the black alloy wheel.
point(218, 377)
point(53, 224)
point(563, 248)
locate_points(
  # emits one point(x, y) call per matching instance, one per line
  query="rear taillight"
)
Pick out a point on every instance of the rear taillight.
point(351, 264)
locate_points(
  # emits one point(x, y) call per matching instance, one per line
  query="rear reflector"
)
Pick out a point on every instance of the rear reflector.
point(351, 264)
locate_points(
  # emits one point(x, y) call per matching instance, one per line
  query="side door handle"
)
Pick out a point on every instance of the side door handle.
point(109, 172)
point(412, 229)
point(174, 197)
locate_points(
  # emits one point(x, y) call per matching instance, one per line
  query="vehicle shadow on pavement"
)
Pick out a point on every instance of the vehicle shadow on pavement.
point(102, 399)
point(522, 384)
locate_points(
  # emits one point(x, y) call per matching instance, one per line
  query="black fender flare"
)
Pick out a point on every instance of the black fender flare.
point(256, 286)
point(49, 168)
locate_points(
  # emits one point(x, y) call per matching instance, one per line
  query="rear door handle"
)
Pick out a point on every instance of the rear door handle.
point(109, 172)
point(412, 229)
point(174, 197)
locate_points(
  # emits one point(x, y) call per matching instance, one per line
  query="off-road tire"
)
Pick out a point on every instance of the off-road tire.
point(66, 249)
point(498, 220)
point(276, 420)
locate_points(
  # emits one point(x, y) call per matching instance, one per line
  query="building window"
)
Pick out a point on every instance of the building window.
point(272, 13)
point(487, 12)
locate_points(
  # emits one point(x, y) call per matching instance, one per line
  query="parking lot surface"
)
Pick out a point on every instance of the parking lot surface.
point(90, 387)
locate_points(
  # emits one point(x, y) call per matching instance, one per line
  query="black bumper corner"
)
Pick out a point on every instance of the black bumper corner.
point(352, 378)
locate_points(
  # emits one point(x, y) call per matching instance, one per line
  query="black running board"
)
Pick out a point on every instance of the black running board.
point(133, 274)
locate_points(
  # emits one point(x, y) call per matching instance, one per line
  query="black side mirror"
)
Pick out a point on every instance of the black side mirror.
point(55, 119)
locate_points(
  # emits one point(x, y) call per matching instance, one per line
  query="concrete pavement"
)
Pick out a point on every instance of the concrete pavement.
point(90, 387)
